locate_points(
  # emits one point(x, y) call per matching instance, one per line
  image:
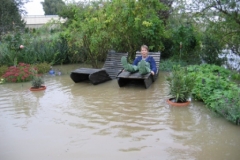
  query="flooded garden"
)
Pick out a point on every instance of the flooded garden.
point(68, 120)
point(83, 121)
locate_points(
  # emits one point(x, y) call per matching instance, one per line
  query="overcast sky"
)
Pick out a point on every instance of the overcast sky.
point(34, 7)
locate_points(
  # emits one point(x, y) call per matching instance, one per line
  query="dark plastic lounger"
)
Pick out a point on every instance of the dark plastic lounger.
point(125, 77)
point(110, 70)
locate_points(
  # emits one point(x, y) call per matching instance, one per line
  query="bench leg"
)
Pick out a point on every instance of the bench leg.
point(148, 81)
point(122, 82)
point(99, 77)
point(77, 77)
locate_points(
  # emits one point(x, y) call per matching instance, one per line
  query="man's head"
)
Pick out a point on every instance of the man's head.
point(144, 51)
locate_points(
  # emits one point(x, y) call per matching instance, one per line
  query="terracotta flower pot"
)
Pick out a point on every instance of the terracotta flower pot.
point(177, 104)
point(38, 89)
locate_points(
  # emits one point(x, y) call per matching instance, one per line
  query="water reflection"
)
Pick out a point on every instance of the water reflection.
point(71, 120)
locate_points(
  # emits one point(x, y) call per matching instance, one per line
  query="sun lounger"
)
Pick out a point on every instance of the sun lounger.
point(110, 70)
point(124, 77)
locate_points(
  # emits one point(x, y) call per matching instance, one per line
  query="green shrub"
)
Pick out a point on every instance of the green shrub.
point(185, 42)
point(42, 67)
point(167, 65)
point(235, 76)
point(211, 48)
point(45, 47)
point(227, 104)
point(214, 87)
point(3, 70)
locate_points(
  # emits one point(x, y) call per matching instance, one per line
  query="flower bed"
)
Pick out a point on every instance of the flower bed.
point(21, 73)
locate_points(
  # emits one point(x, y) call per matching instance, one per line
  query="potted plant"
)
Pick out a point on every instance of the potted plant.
point(37, 84)
point(180, 84)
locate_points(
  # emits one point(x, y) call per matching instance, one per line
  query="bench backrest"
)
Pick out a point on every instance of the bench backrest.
point(113, 63)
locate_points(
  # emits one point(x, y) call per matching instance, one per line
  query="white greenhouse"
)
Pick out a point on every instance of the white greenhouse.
point(37, 21)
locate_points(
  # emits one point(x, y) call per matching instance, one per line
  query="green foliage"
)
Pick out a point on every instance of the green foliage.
point(133, 23)
point(52, 7)
point(42, 67)
point(180, 83)
point(208, 78)
point(50, 49)
point(210, 50)
point(214, 88)
point(227, 104)
point(167, 65)
point(40, 46)
point(37, 82)
point(167, 52)
point(10, 50)
point(6, 55)
point(185, 42)
point(120, 25)
point(3, 70)
point(235, 76)
point(10, 18)
point(217, 18)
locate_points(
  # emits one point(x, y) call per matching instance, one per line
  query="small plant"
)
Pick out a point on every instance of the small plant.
point(37, 82)
point(2, 80)
point(20, 73)
point(181, 84)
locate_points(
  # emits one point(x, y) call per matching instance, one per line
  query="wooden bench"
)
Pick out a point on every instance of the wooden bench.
point(110, 70)
point(125, 77)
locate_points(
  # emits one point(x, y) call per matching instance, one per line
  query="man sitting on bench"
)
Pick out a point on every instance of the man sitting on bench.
point(143, 64)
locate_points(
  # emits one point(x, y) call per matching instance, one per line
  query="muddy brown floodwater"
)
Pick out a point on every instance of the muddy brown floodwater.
point(81, 121)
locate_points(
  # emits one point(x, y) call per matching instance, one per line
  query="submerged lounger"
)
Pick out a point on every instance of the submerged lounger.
point(125, 77)
point(111, 68)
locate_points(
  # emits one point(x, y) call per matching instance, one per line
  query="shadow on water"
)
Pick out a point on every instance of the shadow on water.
point(83, 121)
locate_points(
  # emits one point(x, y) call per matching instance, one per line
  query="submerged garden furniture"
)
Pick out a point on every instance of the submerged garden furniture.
point(110, 70)
point(125, 77)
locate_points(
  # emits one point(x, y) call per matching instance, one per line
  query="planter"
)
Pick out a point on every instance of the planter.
point(38, 89)
point(182, 104)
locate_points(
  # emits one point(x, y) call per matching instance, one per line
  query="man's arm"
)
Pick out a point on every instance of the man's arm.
point(153, 65)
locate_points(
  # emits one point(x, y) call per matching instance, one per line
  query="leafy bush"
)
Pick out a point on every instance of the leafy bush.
point(185, 43)
point(211, 48)
point(21, 73)
point(235, 76)
point(166, 65)
point(227, 104)
point(42, 67)
point(3, 69)
point(121, 26)
point(46, 47)
point(214, 87)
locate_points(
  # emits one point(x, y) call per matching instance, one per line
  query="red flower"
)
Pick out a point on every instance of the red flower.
point(21, 73)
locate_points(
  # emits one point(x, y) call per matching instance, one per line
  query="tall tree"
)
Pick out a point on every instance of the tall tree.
point(10, 14)
point(120, 25)
point(164, 14)
point(52, 7)
point(221, 18)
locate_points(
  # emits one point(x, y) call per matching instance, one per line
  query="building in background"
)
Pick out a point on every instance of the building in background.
point(33, 21)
